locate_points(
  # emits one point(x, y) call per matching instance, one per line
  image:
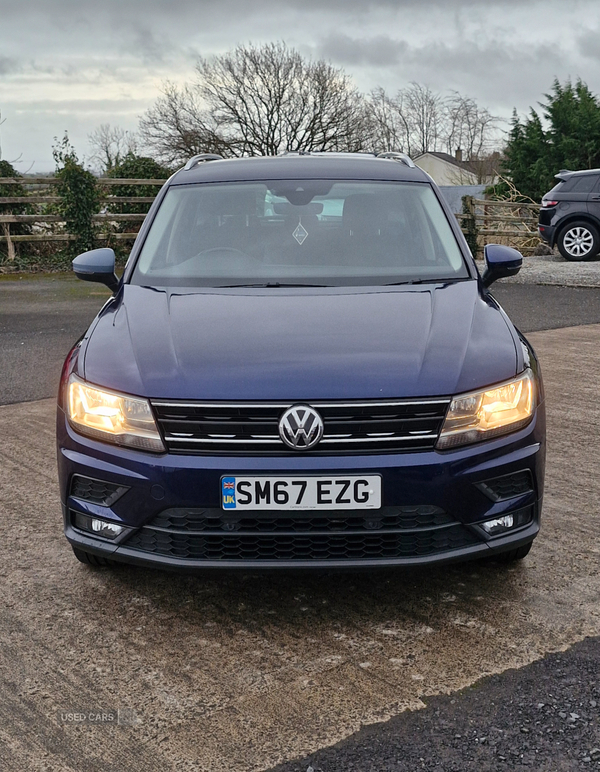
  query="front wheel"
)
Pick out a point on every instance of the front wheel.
point(578, 241)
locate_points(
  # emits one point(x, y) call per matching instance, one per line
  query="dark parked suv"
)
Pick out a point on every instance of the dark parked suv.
point(301, 366)
point(570, 214)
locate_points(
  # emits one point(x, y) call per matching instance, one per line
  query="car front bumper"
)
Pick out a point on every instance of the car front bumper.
point(433, 505)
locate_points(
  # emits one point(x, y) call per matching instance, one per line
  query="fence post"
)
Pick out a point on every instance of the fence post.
point(9, 243)
point(470, 224)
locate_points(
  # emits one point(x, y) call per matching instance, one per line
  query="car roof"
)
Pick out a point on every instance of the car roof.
point(342, 166)
point(564, 174)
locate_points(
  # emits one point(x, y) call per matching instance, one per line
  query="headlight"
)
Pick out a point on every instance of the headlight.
point(116, 418)
point(485, 414)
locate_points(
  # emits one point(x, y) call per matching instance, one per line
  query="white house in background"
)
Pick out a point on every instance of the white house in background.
point(447, 169)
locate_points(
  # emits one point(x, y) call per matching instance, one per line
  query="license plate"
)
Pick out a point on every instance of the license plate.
point(333, 492)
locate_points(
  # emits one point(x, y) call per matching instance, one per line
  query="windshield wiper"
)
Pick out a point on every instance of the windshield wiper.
point(422, 281)
point(269, 284)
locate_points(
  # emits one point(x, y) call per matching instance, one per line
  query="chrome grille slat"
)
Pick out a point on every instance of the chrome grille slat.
point(252, 427)
point(352, 406)
point(380, 439)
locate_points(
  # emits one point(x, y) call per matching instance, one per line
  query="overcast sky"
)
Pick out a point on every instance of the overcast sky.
point(74, 64)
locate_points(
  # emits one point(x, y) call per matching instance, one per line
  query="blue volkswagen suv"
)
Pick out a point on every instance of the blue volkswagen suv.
point(301, 366)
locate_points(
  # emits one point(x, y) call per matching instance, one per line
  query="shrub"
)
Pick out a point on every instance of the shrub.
point(80, 197)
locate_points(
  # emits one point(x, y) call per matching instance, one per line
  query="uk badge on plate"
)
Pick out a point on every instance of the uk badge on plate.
point(228, 492)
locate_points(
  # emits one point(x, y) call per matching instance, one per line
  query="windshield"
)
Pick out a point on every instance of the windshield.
point(299, 232)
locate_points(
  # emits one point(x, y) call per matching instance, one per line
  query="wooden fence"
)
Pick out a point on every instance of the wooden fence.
point(503, 222)
point(48, 226)
point(500, 222)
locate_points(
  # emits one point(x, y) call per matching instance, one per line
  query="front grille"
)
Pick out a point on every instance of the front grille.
point(508, 486)
point(96, 491)
point(251, 428)
point(388, 533)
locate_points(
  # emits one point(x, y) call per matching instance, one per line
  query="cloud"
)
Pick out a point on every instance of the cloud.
point(500, 74)
point(379, 51)
point(64, 11)
point(151, 48)
point(589, 44)
point(95, 108)
point(82, 57)
point(9, 65)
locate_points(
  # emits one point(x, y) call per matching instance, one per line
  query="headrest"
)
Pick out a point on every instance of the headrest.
point(362, 213)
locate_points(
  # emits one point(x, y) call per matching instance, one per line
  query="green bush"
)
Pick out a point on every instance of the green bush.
point(565, 136)
point(132, 167)
point(136, 167)
point(80, 197)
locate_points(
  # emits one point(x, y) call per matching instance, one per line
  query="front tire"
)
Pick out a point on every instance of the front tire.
point(578, 241)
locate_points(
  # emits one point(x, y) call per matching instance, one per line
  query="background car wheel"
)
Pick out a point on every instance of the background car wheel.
point(578, 241)
point(91, 560)
point(517, 554)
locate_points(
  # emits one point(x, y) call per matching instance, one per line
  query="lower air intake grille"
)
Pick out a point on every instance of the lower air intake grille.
point(302, 546)
point(212, 535)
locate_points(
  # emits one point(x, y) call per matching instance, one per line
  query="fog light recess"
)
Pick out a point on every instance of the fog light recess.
point(97, 527)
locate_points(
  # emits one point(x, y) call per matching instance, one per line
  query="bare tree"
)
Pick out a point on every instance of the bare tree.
point(268, 99)
point(413, 121)
point(469, 127)
point(109, 145)
point(423, 116)
point(417, 120)
point(262, 100)
point(386, 127)
point(256, 101)
point(179, 126)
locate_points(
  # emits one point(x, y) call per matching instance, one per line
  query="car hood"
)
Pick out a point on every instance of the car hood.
point(301, 344)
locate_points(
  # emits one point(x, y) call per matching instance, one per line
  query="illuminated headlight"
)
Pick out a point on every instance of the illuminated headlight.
point(482, 415)
point(116, 418)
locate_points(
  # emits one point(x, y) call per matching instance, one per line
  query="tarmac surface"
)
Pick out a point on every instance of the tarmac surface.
point(244, 672)
point(542, 717)
point(41, 318)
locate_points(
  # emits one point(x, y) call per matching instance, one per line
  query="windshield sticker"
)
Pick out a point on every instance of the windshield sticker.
point(300, 233)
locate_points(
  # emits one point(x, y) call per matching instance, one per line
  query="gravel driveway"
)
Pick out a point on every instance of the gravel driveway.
point(553, 269)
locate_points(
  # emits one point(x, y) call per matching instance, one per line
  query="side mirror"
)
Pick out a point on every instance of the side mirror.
point(97, 265)
point(500, 261)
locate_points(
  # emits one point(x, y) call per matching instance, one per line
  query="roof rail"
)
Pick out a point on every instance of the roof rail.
point(201, 158)
point(402, 157)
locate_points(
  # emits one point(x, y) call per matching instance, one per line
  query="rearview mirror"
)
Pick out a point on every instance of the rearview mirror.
point(500, 261)
point(97, 265)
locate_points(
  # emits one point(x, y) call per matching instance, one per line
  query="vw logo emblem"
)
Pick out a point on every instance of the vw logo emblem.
point(301, 427)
